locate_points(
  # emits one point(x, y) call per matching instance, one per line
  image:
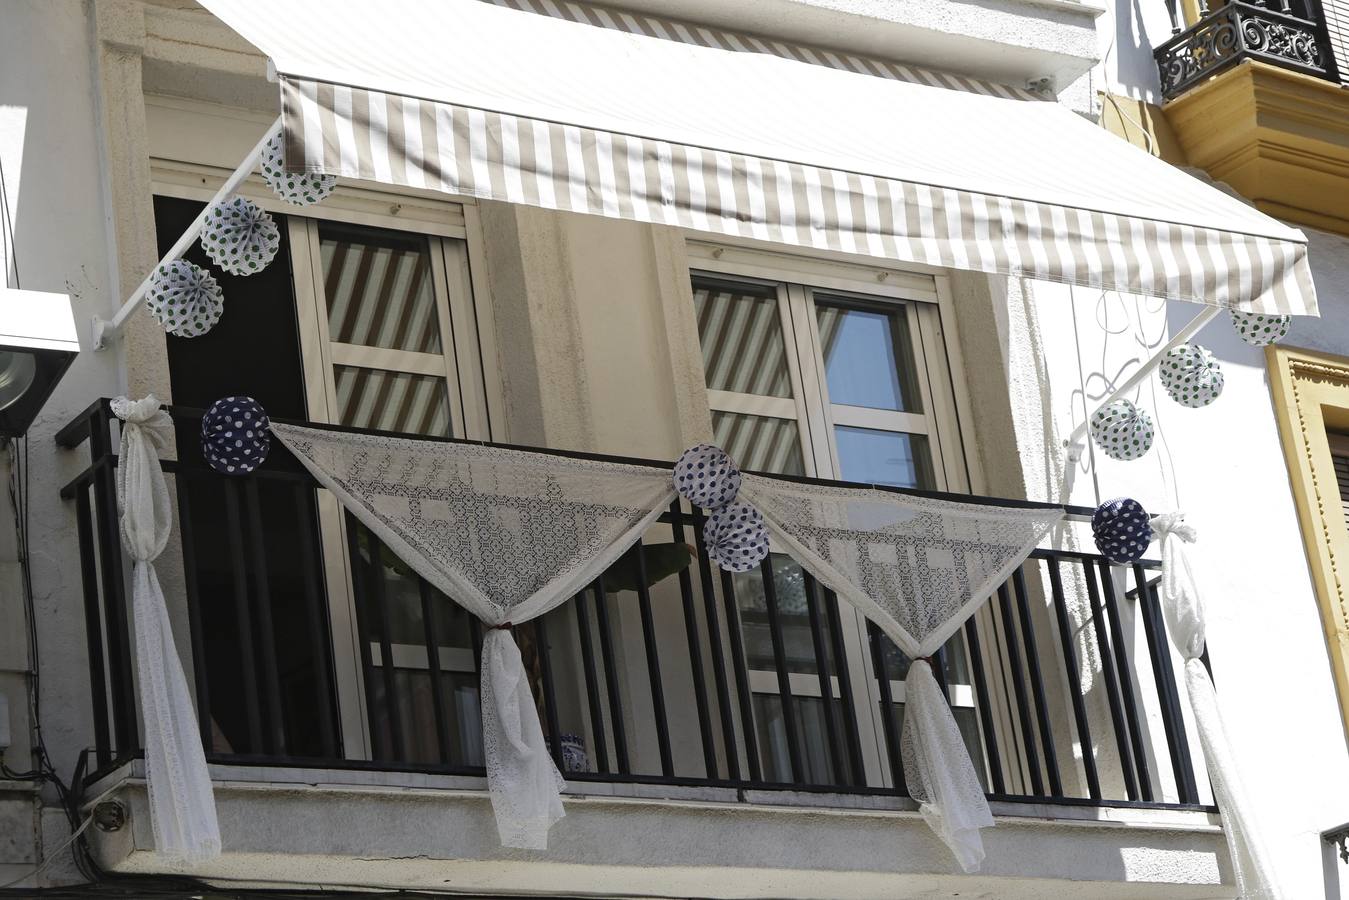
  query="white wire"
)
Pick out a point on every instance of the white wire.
point(51, 857)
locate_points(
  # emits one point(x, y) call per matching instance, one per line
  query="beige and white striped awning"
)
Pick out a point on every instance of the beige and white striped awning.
point(573, 107)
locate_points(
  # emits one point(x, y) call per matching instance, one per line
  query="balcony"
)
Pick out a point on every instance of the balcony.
point(688, 708)
point(1290, 34)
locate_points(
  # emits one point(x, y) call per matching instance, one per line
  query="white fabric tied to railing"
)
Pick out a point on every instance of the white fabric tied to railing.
point(182, 804)
point(1183, 609)
point(918, 567)
point(508, 535)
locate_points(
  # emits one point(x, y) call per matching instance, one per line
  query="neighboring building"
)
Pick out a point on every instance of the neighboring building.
point(723, 736)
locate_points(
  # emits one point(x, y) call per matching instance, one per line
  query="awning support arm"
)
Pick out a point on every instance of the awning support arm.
point(105, 330)
point(1075, 441)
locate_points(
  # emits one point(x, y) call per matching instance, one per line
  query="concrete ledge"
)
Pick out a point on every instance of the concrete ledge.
point(394, 830)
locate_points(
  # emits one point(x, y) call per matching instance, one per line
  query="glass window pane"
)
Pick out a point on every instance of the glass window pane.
point(793, 617)
point(760, 443)
point(741, 336)
point(868, 357)
point(392, 401)
point(892, 458)
point(816, 758)
point(378, 287)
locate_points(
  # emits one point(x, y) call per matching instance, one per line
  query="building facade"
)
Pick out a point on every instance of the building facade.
point(725, 737)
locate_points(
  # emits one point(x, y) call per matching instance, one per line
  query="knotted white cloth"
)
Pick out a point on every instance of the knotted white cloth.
point(508, 535)
point(182, 803)
point(1183, 608)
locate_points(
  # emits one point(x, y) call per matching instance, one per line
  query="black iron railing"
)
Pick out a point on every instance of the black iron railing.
point(665, 670)
point(1286, 33)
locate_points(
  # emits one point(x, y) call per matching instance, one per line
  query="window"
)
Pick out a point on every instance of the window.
point(827, 371)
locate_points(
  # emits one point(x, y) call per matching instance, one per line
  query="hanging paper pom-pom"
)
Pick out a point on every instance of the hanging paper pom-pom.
point(706, 476)
point(300, 188)
point(1259, 329)
point(239, 236)
point(235, 435)
point(184, 299)
point(1191, 375)
point(736, 537)
point(1121, 530)
point(1122, 430)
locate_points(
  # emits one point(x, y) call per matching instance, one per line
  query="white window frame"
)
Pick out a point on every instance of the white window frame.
point(925, 299)
point(467, 339)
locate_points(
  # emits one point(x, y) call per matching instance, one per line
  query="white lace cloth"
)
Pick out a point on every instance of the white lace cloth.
point(1183, 609)
point(918, 567)
point(182, 804)
point(507, 534)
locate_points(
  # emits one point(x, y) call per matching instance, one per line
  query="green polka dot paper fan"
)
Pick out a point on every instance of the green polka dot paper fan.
point(1122, 430)
point(1191, 375)
point(300, 188)
point(239, 236)
point(1258, 329)
point(184, 299)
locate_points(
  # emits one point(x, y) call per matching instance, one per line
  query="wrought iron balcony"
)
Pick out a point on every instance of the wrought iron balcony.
point(312, 645)
point(1287, 34)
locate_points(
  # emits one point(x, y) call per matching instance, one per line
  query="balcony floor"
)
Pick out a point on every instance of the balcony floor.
point(311, 827)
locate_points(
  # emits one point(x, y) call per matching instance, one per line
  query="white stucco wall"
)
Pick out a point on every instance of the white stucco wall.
point(1224, 466)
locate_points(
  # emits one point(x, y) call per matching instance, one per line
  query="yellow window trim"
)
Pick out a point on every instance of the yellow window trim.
point(1311, 398)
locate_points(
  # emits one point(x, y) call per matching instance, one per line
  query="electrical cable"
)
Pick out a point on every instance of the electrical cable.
point(50, 857)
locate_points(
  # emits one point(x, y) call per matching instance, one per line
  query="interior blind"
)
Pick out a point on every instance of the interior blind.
point(1337, 29)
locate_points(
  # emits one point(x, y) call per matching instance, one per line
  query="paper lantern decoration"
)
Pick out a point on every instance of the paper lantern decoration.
point(239, 236)
point(1191, 375)
point(1122, 430)
point(706, 476)
point(184, 299)
point(1121, 530)
point(736, 537)
point(300, 188)
point(235, 435)
point(1258, 329)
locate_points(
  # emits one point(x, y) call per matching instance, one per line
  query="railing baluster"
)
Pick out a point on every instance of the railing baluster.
point(695, 651)
point(1111, 687)
point(261, 585)
point(1162, 672)
point(93, 632)
point(611, 678)
point(653, 666)
point(319, 634)
point(379, 599)
point(1037, 683)
point(728, 737)
point(599, 738)
point(243, 617)
point(114, 594)
point(972, 650)
point(852, 728)
point(836, 758)
point(549, 695)
point(784, 677)
point(887, 708)
point(1125, 669)
point(734, 632)
point(360, 585)
point(431, 638)
point(1019, 691)
point(200, 677)
point(1074, 678)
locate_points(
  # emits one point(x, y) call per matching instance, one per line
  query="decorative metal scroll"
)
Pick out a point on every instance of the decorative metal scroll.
point(1240, 31)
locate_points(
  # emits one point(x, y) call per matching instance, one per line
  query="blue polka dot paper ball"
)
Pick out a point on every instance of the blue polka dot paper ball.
point(736, 537)
point(1121, 529)
point(235, 435)
point(706, 476)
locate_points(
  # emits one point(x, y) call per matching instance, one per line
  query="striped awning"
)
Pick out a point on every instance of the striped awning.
point(572, 107)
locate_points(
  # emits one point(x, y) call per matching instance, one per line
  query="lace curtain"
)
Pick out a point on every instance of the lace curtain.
point(1183, 609)
point(507, 534)
point(917, 567)
point(182, 804)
